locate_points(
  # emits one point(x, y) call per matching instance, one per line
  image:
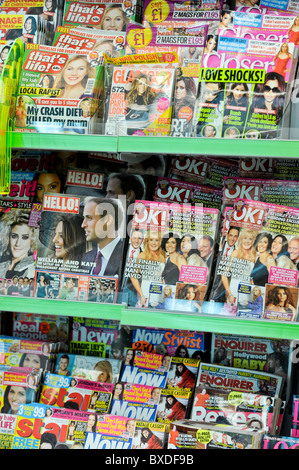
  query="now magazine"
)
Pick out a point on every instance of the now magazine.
point(60, 91)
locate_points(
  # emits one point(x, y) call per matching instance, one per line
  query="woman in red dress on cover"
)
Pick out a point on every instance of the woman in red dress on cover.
point(293, 32)
point(149, 440)
point(281, 60)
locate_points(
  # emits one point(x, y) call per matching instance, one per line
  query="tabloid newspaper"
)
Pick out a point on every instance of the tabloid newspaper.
point(18, 248)
point(75, 393)
point(174, 404)
point(110, 42)
point(15, 381)
point(240, 380)
point(202, 169)
point(111, 432)
point(255, 111)
point(178, 11)
point(41, 327)
point(268, 168)
point(93, 336)
point(105, 15)
point(88, 367)
point(184, 275)
point(279, 442)
point(179, 191)
point(176, 343)
point(135, 401)
point(254, 267)
point(74, 256)
point(41, 426)
point(294, 432)
point(28, 353)
point(60, 90)
point(246, 410)
point(149, 435)
point(188, 434)
point(140, 100)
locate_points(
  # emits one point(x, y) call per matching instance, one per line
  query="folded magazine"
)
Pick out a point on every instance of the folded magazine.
point(107, 15)
point(168, 341)
point(188, 434)
point(88, 368)
point(245, 410)
point(239, 380)
point(41, 426)
point(76, 393)
point(110, 42)
point(55, 85)
point(135, 401)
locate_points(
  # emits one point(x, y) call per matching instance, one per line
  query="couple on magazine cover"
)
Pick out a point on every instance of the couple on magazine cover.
point(69, 236)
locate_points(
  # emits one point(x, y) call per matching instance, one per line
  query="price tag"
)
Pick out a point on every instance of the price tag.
point(139, 38)
point(156, 12)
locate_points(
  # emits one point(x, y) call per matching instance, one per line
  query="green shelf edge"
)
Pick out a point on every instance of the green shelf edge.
point(165, 145)
point(90, 143)
point(210, 323)
point(61, 307)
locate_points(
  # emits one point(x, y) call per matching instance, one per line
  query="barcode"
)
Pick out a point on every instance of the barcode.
point(89, 86)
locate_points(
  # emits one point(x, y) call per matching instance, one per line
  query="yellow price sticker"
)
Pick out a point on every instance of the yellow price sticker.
point(235, 398)
point(139, 38)
point(204, 436)
point(157, 11)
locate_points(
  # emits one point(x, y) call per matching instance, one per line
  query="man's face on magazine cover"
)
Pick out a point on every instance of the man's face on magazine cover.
point(90, 220)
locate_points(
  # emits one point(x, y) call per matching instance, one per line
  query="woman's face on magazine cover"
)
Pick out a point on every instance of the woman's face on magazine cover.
point(75, 72)
point(186, 245)
point(211, 91)
point(247, 241)
point(238, 92)
point(190, 293)
point(142, 85)
point(154, 242)
point(28, 24)
point(58, 241)
point(114, 20)
point(271, 90)
point(32, 360)
point(47, 183)
point(16, 396)
point(262, 245)
point(276, 246)
point(20, 241)
point(180, 90)
point(211, 44)
point(170, 245)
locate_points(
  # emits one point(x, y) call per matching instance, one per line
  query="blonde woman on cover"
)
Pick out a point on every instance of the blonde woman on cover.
point(281, 60)
point(152, 251)
point(293, 32)
point(104, 372)
point(114, 18)
point(73, 77)
point(20, 113)
point(245, 251)
point(19, 242)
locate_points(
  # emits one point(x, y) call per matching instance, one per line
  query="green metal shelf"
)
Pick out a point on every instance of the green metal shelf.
point(60, 307)
point(210, 323)
point(165, 145)
point(152, 318)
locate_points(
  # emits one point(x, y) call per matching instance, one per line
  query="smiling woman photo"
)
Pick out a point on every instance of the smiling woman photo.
point(73, 77)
